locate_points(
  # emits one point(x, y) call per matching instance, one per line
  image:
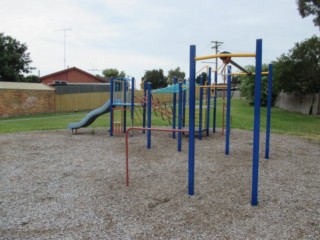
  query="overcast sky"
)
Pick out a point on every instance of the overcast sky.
point(138, 35)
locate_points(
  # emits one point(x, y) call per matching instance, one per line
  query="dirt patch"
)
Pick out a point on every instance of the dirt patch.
point(61, 186)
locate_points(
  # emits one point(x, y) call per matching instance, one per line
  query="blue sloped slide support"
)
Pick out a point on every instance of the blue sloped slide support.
point(91, 116)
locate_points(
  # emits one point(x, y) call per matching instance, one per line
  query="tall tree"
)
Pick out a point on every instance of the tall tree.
point(310, 7)
point(156, 77)
point(14, 59)
point(175, 73)
point(299, 70)
point(113, 73)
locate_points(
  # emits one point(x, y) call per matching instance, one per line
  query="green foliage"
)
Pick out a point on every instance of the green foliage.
point(204, 78)
point(175, 73)
point(310, 7)
point(14, 59)
point(247, 84)
point(299, 70)
point(113, 73)
point(156, 77)
point(31, 79)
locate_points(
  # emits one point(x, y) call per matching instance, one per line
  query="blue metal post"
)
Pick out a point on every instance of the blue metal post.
point(192, 99)
point(228, 115)
point(132, 101)
point(200, 108)
point(256, 134)
point(184, 106)
point(111, 104)
point(144, 105)
point(125, 86)
point(174, 109)
point(149, 116)
point(215, 102)
point(180, 117)
point(268, 112)
point(208, 103)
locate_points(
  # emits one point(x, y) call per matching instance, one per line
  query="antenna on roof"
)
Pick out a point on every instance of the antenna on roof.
point(64, 44)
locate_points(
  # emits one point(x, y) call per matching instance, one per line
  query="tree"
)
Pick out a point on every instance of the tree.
point(156, 77)
point(310, 7)
point(204, 78)
point(32, 79)
point(299, 70)
point(175, 73)
point(113, 73)
point(14, 59)
point(247, 86)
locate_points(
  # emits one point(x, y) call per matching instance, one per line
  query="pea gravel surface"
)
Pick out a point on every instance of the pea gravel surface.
point(55, 185)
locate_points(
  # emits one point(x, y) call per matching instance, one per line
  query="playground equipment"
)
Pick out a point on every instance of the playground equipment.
point(192, 99)
point(90, 117)
point(124, 99)
point(257, 97)
point(121, 98)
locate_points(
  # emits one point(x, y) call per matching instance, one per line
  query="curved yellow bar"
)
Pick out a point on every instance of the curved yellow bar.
point(226, 55)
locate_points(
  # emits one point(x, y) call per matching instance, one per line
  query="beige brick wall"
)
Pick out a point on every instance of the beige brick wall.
point(24, 102)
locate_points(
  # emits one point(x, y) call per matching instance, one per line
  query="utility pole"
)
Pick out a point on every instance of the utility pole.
point(64, 44)
point(216, 45)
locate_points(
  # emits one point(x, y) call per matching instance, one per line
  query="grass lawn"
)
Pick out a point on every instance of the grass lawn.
point(241, 117)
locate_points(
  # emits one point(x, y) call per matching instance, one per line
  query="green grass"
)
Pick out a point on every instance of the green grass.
point(241, 117)
point(46, 122)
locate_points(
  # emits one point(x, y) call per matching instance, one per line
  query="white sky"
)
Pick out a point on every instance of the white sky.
point(139, 35)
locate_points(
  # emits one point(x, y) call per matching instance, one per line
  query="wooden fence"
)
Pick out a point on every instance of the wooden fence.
point(80, 101)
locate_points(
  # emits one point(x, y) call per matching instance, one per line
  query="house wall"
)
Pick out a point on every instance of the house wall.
point(14, 102)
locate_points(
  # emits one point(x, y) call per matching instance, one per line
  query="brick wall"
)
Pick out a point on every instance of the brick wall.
point(24, 102)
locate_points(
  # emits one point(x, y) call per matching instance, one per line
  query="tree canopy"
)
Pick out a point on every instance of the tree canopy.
point(14, 59)
point(299, 70)
point(156, 77)
point(310, 7)
point(113, 73)
point(175, 73)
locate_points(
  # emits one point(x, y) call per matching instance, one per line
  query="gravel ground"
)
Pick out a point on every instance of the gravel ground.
point(55, 185)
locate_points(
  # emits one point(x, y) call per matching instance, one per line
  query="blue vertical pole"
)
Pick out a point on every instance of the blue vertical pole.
point(184, 106)
point(180, 116)
point(144, 105)
point(111, 104)
point(208, 103)
point(228, 115)
point(192, 99)
point(174, 109)
point(200, 108)
point(132, 101)
point(268, 112)
point(215, 101)
point(256, 130)
point(125, 86)
point(149, 116)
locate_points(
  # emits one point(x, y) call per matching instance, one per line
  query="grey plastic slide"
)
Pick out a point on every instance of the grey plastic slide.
point(91, 116)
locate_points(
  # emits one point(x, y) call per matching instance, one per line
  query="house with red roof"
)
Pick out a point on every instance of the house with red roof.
point(71, 75)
